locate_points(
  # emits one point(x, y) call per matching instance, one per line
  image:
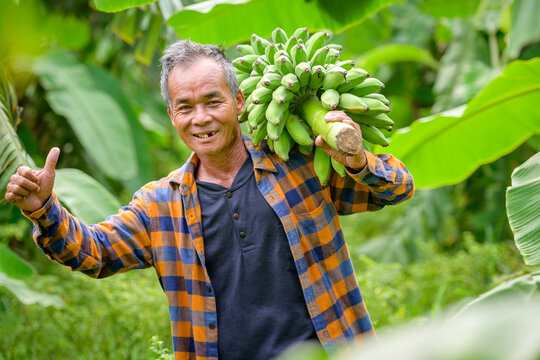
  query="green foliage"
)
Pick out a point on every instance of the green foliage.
point(447, 148)
point(523, 202)
point(525, 26)
point(13, 266)
point(159, 348)
point(390, 53)
point(119, 5)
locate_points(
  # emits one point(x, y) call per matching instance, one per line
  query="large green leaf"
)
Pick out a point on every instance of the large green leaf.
point(390, 53)
point(523, 204)
point(14, 266)
point(119, 5)
point(232, 21)
point(445, 149)
point(85, 197)
point(525, 28)
point(100, 122)
point(28, 296)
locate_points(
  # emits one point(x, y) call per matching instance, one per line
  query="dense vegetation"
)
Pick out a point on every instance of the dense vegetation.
point(463, 78)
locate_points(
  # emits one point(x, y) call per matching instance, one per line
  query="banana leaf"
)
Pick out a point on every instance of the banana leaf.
point(28, 296)
point(14, 266)
point(523, 207)
point(119, 5)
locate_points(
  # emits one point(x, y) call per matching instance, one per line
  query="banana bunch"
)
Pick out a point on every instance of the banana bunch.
point(289, 80)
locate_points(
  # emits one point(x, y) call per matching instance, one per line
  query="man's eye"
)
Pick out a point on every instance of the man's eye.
point(183, 108)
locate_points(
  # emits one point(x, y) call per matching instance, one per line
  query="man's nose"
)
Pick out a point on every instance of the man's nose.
point(201, 115)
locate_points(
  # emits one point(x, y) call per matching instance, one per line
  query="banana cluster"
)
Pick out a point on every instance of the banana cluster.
point(275, 77)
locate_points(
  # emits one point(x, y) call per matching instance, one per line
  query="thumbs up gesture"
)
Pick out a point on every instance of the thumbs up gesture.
point(29, 189)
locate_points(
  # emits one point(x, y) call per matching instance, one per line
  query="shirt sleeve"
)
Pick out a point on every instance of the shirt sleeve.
point(384, 181)
point(118, 244)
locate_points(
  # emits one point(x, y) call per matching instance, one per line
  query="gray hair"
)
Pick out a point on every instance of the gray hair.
point(185, 53)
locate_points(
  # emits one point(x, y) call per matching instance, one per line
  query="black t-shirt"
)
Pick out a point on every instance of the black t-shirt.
point(260, 305)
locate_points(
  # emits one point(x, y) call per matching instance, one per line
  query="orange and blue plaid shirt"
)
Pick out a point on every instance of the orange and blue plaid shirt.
point(161, 227)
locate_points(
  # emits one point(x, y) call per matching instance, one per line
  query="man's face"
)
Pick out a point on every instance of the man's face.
point(203, 110)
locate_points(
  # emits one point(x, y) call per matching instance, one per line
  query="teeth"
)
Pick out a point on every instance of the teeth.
point(204, 136)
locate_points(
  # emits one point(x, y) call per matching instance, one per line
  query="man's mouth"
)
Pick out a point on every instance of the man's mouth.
point(205, 135)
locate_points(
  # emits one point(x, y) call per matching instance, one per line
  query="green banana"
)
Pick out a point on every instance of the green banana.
point(283, 145)
point(322, 165)
point(303, 73)
point(379, 97)
point(241, 77)
point(298, 54)
point(330, 99)
point(245, 49)
point(284, 65)
point(248, 85)
point(317, 76)
point(297, 131)
point(269, 52)
point(291, 82)
point(293, 40)
point(380, 120)
point(270, 143)
point(258, 135)
point(351, 103)
point(332, 56)
point(373, 135)
point(271, 80)
point(368, 86)
point(243, 118)
point(301, 33)
point(259, 44)
point(250, 107)
point(315, 42)
point(279, 54)
point(270, 69)
point(305, 149)
point(282, 95)
point(276, 111)
point(279, 36)
point(273, 130)
point(346, 64)
point(257, 115)
point(245, 62)
point(334, 77)
point(261, 95)
point(319, 57)
point(338, 167)
point(259, 65)
point(335, 46)
point(353, 78)
point(375, 106)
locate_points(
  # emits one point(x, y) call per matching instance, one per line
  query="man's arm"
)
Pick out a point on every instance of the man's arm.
point(116, 245)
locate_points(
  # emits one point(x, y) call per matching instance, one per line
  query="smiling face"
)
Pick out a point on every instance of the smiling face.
point(203, 110)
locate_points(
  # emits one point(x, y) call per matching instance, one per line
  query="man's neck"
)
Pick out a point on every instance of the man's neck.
point(222, 169)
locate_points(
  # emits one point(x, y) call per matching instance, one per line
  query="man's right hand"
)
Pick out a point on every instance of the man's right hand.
point(29, 189)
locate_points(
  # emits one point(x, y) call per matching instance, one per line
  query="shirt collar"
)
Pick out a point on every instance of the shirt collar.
point(185, 176)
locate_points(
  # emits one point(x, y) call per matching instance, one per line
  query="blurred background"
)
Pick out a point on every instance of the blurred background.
point(463, 78)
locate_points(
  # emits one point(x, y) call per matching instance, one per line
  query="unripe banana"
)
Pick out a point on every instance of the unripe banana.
point(273, 130)
point(352, 103)
point(276, 111)
point(305, 149)
point(297, 131)
point(380, 120)
point(269, 52)
point(353, 78)
point(335, 46)
point(338, 167)
point(375, 106)
point(283, 145)
point(271, 69)
point(373, 135)
point(319, 57)
point(270, 143)
point(279, 54)
point(291, 82)
point(315, 42)
point(279, 36)
point(245, 49)
point(322, 165)
point(259, 65)
point(284, 65)
point(261, 95)
point(293, 40)
point(298, 54)
point(303, 73)
point(258, 135)
point(379, 97)
point(257, 115)
point(368, 86)
point(334, 77)
point(243, 118)
point(330, 99)
point(250, 107)
point(301, 34)
point(241, 77)
point(271, 80)
point(245, 62)
point(332, 56)
point(317, 76)
point(259, 44)
point(346, 64)
point(282, 95)
point(248, 85)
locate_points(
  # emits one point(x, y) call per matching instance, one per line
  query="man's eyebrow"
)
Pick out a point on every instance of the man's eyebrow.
point(207, 96)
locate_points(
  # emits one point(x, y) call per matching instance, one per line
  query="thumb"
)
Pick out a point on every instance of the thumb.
point(52, 159)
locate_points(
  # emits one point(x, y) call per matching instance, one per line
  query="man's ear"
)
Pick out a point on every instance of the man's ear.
point(169, 111)
point(240, 102)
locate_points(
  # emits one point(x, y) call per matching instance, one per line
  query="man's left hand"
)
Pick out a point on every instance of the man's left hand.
point(355, 163)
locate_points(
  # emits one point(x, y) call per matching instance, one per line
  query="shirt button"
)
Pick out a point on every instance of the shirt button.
point(212, 326)
point(208, 289)
point(235, 216)
point(242, 234)
point(229, 194)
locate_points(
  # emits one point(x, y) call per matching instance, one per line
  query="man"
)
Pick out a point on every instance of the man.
point(248, 248)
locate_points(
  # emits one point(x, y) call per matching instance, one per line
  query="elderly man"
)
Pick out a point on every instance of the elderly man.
point(248, 248)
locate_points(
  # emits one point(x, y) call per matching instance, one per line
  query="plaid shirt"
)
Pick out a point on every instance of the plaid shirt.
point(161, 227)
